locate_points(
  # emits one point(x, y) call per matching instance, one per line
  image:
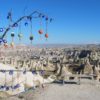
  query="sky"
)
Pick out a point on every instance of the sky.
point(75, 21)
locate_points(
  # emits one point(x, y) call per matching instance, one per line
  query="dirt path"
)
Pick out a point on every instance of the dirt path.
point(71, 92)
point(62, 92)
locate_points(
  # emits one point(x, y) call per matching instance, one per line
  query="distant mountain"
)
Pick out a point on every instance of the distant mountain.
point(65, 45)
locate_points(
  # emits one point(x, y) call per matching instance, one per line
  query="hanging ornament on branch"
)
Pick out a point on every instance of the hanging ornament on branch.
point(20, 35)
point(40, 31)
point(46, 35)
point(31, 38)
point(12, 35)
point(43, 16)
point(46, 19)
point(26, 23)
point(9, 17)
point(28, 20)
point(31, 35)
point(12, 43)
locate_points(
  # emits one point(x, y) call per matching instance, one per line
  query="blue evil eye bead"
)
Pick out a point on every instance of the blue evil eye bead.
point(11, 72)
point(16, 86)
point(9, 14)
point(24, 72)
point(1, 29)
point(29, 18)
point(7, 88)
point(4, 41)
point(7, 17)
point(33, 72)
point(15, 25)
point(26, 23)
point(43, 16)
point(42, 72)
point(46, 18)
point(2, 87)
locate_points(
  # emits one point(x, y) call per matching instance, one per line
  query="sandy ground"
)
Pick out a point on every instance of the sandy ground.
point(85, 91)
